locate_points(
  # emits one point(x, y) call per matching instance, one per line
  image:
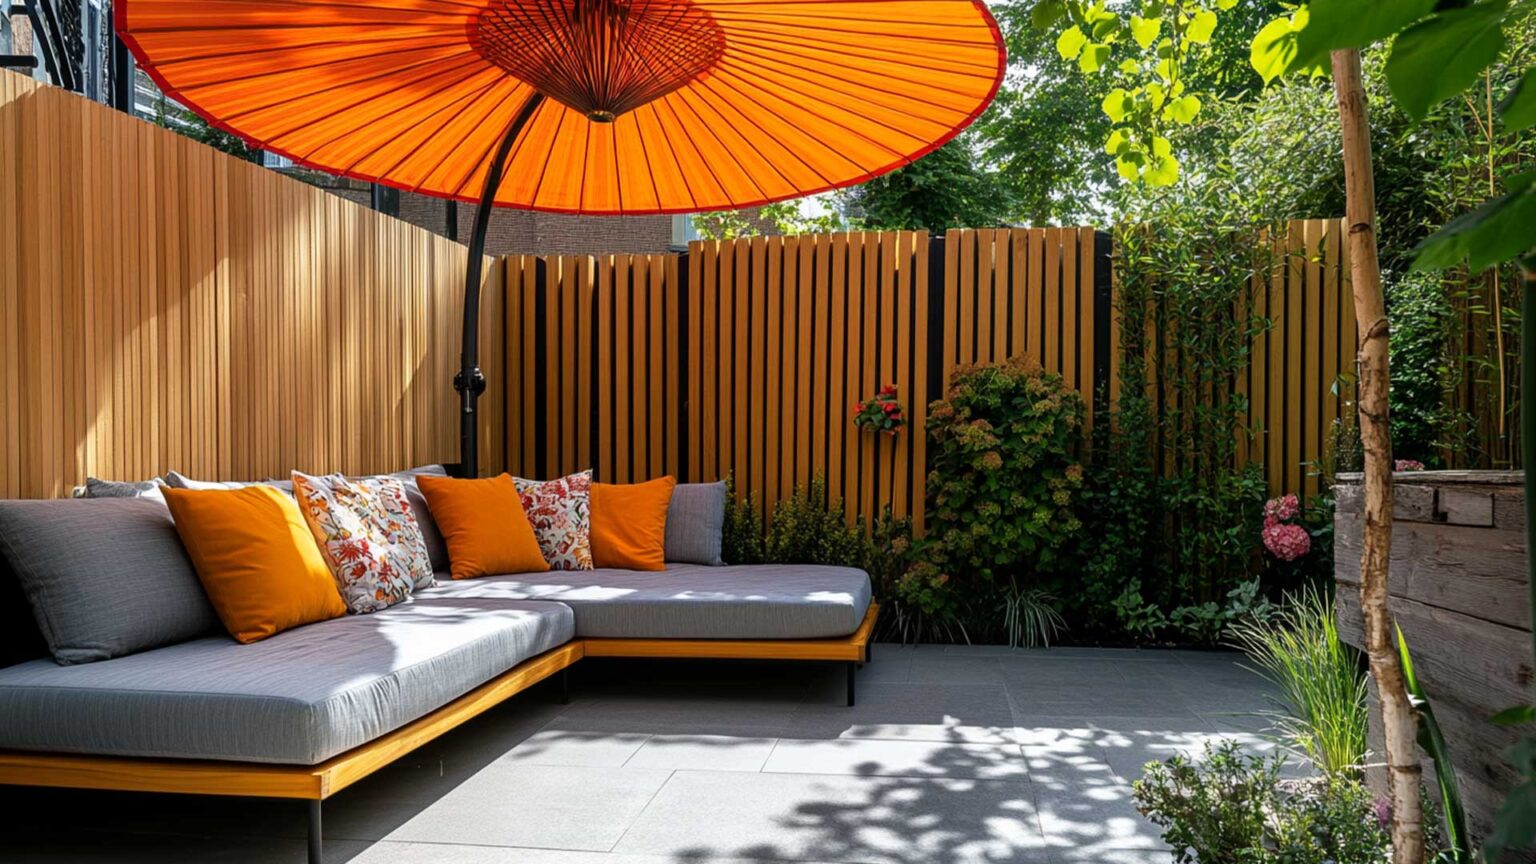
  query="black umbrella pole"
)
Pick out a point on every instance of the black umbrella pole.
point(470, 382)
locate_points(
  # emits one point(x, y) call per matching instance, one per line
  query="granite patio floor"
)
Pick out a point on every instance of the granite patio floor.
point(959, 754)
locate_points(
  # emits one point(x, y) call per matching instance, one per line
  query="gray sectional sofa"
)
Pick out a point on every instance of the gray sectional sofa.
point(312, 709)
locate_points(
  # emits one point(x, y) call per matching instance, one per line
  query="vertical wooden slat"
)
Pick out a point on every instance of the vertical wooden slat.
point(741, 363)
point(626, 371)
point(709, 438)
point(727, 383)
point(1332, 336)
point(696, 363)
point(871, 289)
point(840, 412)
point(1052, 320)
point(1087, 305)
point(919, 409)
point(656, 382)
point(1002, 290)
point(767, 479)
point(788, 357)
point(1295, 296)
point(606, 371)
point(967, 322)
point(986, 278)
point(673, 460)
point(854, 378)
point(765, 322)
point(807, 299)
point(903, 375)
point(953, 241)
point(820, 366)
point(1035, 325)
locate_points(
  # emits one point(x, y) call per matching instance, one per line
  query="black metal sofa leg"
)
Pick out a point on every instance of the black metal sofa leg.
point(849, 668)
point(316, 844)
point(565, 686)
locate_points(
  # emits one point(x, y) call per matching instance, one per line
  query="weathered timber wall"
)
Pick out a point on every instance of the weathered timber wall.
point(1458, 589)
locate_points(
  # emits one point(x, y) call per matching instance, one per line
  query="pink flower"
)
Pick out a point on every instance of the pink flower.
point(1287, 542)
point(1285, 508)
point(1407, 465)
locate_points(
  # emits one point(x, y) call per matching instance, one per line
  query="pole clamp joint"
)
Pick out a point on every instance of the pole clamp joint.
point(475, 385)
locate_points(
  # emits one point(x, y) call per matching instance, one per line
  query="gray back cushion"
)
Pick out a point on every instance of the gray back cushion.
point(696, 523)
point(105, 577)
point(98, 488)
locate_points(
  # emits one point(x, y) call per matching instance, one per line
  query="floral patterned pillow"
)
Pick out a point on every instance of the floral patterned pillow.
point(368, 535)
point(561, 514)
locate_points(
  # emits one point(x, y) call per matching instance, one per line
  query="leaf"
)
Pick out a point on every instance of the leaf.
point(1127, 169)
point(1070, 43)
point(1441, 56)
point(1118, 141)
point(1273, 49)
point(1518, 110)
point(1226, 5)
point(1117, 104)
point(1201, 26)
point(1129, 67)
point(1162, 169)
point(1516, 716)
point(1334, 24)
point(1156, 94)
point(1092, 58)
point(1183, 109)
point(1046, 13)
point(1145, 30)
point(1498, 230)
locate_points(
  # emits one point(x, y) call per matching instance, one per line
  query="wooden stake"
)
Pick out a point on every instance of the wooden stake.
point(1398, 716)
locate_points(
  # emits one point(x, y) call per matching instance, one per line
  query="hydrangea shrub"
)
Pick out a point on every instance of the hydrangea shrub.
point(1005, 482)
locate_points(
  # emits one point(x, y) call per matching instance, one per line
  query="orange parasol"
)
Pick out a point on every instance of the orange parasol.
point(578, 106)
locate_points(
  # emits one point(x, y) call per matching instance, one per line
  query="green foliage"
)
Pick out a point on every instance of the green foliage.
point(169, 115)
point(1437, 52)
point(741, 539)
point(786, 218)
point(1144, 54)
point(948, 188)
point(1432, 741)
point(1232, 806)
point(1322, 686)
point(1424, 326)
point(1004, 482)
point(808, 528)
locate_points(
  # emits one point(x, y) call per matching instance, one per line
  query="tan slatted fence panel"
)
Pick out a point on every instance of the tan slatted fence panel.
point(1300, 376)
point(164, 306)
point(1023, 291)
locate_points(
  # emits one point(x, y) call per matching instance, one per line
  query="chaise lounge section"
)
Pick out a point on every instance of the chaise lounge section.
point(309, 711)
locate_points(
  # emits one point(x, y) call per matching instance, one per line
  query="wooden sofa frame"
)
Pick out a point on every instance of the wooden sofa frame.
point(315, 783)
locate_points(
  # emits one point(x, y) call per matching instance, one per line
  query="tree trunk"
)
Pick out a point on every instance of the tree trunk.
point(1397, 714)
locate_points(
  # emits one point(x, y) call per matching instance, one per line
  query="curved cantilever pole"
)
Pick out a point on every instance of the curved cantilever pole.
point(470, 381)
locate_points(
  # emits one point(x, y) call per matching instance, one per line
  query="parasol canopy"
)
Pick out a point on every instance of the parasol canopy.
point(653, 106)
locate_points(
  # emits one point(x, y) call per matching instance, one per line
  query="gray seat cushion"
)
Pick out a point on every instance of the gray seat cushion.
point(299, 697)
point(105, 577)
point(691, 601)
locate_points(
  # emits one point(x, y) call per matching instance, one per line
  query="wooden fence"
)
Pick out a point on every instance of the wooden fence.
point(166, 306)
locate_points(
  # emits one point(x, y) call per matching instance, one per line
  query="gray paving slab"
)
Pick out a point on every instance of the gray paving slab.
point(871, 757)
point(870, 820)
point(952, 754)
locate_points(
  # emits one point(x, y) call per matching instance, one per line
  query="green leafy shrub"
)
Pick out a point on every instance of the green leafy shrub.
point(741, 539)
point(1005, 486)
point(1322, 687)
point(1232, 806)
point(808, 528)
point(919, 603)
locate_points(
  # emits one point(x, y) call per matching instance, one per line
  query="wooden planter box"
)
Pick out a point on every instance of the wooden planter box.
point(1458, 590)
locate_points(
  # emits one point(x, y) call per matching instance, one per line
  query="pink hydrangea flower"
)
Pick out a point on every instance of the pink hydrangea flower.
point(1407, 465)
point(1287, 542)
point(1283, 509)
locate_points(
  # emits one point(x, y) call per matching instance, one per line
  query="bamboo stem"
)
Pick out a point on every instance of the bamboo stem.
point(1375, 434)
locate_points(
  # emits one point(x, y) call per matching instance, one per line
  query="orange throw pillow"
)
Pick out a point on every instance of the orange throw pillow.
point(629, 524)
point(256, 559)
point(484, 526)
